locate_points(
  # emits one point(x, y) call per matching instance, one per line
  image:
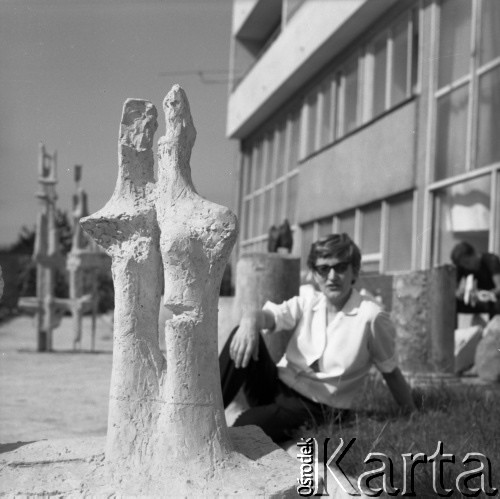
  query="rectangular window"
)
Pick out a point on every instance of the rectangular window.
point(291, 211)
point(462, 213)
point(267, 220)
point(379, 75)
point(400, 233)
point(269, 157)
point(325, 227)
point(346, 223)
point(350, 94)
point(327, 113)
point(490, 32)
point(451, 132)
point(467, 124)
point(247, 206)
point(454, 40)
point(294, 145)
point(400, 68)
point(307, 236)
point(414, 49)
point(257, 211)
point(248, 172)
point(370, 228)
point(278, 204)
point(312, 117)
point(280, 138)
point(257, 166)
point(488, 143)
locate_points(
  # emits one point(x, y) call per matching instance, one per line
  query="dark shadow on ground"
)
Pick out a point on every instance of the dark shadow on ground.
point(14, 446)
point(75, 352)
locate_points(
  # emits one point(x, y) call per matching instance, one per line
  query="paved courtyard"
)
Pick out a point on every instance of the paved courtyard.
point(53, 395)
point(63, 393)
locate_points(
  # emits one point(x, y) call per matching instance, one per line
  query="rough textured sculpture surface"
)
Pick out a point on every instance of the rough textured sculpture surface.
point(126, 228)
point(196, 239)
point(166, 429)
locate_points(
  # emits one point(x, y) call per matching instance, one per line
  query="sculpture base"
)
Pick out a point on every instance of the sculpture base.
point(75, 467)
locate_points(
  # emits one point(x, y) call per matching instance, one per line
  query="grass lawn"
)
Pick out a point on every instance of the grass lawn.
point(465, 418)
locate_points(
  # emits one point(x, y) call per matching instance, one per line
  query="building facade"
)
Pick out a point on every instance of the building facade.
point(379, 118)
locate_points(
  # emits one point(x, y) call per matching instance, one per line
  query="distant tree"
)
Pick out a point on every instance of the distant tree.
point(65, 231)
point(24, 247)
point(106, 291)
point(25, 243)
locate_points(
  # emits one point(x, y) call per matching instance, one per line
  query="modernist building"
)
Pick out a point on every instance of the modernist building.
point(379, 118)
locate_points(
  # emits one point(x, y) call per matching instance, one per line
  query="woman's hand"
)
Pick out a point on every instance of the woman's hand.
point(245, 342)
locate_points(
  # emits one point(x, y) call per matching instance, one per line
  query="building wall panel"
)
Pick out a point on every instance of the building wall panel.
point(283, 68)
point(371, 164)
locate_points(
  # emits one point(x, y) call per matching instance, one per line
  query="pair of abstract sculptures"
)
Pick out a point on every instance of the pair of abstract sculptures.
point(167, 433)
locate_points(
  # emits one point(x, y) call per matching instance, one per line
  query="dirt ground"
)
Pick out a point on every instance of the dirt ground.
point(64, 393)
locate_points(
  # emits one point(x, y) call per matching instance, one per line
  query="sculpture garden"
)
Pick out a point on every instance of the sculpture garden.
point(166, 433)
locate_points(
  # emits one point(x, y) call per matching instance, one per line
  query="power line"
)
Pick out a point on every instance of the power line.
point(207, 76)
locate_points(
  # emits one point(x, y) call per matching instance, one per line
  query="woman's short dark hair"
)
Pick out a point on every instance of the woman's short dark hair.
point(460, 250)
point(335, 246)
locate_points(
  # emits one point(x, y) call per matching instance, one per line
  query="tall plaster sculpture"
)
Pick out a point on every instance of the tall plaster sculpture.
point(126, 228)
point(83, 263)
point(196, 240)
point(46, 253)
point(167, 433)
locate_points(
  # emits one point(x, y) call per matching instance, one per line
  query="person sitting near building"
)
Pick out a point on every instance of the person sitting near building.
point(337, 336)
point(478, 280)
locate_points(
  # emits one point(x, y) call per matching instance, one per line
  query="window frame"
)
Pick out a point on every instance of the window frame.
point(265, 146)
point(311, 136)
point(380, 256)
point(471, 80)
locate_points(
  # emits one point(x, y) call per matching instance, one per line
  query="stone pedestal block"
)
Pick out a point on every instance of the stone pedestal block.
point(267, 276)
point(442, 304)
point(410, 314)
point(487, 359)
point(424, 314)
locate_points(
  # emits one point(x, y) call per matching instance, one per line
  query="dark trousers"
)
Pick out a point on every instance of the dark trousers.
point(274, 406)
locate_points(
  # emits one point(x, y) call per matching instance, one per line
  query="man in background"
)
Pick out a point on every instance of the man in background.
point(478, 278)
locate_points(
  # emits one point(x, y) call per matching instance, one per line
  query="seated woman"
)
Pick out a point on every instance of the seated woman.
point(337, 336)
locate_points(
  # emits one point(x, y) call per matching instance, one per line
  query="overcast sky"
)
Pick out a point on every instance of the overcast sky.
point(66, 68)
